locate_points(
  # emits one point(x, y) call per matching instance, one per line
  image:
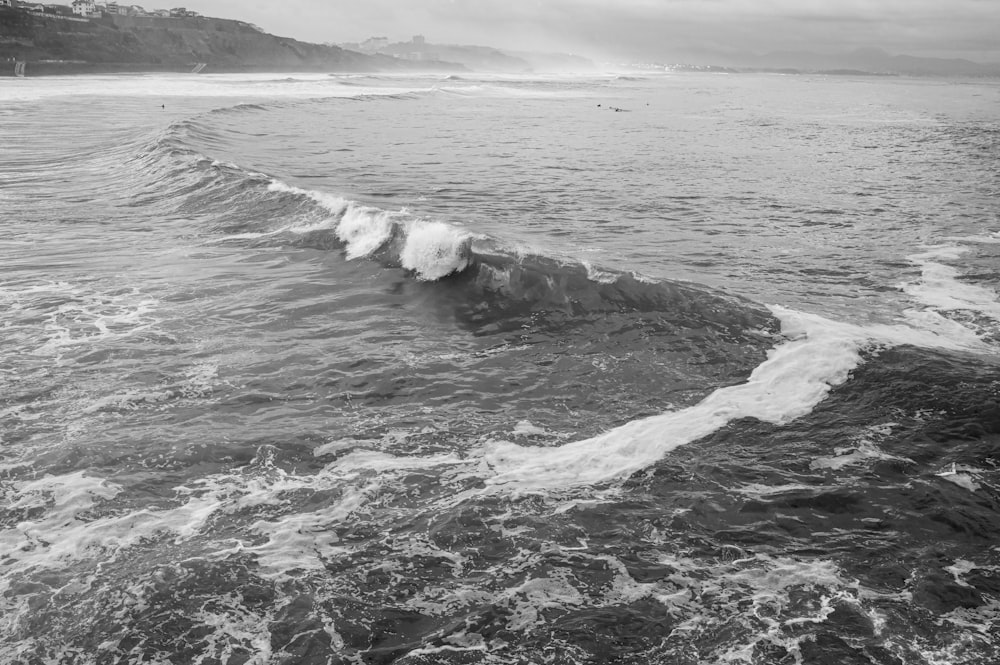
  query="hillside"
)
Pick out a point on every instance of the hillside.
point(127, 43)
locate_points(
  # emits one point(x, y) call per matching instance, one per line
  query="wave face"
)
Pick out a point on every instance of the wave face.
point(471, 370)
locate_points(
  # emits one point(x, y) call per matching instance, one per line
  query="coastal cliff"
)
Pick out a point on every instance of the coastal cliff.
point(63, 45)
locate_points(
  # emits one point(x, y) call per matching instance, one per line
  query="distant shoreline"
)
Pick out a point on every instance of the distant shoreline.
point(61, 45)
point(77, 68)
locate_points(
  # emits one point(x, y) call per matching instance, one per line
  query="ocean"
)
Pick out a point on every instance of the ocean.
point(659, 368)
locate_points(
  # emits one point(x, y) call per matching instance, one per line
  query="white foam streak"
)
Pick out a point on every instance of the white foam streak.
point(988, 239)
point(862, 454)
point(796, 376)
point(960, 476)
point(303, 541)
point(595, 274)
point(335, 204)
point(112, 317)
point(237, 87)
point(494, 91)
point(941, 289)
point(929, 321)
point(248, 236)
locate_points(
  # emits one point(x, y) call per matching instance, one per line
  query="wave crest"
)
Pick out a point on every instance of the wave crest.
point(429, 249)
point(435, 249)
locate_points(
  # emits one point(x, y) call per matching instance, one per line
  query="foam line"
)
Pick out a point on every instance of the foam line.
point(796, 376)
point(941, 289)
point(335, 204)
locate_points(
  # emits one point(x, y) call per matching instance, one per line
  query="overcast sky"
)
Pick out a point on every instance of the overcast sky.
point(654, 29)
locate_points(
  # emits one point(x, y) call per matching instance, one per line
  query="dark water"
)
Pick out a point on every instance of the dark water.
point(385, 370)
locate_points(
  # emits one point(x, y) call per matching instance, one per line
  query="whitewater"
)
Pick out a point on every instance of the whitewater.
point(472, 369)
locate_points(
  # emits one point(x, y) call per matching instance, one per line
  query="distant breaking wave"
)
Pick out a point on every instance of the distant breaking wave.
point(430, 249)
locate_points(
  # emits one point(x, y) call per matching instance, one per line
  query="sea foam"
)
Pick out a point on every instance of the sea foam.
point(940, 288)
point(818, 355)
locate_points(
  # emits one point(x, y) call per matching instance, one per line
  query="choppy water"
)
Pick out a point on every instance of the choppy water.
point(480, 370)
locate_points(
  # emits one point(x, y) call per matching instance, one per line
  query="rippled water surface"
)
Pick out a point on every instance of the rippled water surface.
point(685, 369)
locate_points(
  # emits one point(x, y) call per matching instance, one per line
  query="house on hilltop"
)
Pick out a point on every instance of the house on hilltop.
point(85, 8)
point(114, 9)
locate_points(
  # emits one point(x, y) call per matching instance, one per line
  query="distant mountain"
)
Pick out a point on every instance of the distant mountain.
point(867, 60)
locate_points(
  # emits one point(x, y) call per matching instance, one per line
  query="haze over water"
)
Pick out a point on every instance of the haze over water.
point(479, 369)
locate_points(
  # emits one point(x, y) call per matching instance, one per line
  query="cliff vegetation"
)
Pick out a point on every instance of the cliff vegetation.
point(59, 44)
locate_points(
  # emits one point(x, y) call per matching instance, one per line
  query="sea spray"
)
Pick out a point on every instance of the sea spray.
point(431, 249)
point(435, 249)
point(364, 229)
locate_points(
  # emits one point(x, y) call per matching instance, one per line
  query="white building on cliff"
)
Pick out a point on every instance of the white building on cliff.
point(85, 8)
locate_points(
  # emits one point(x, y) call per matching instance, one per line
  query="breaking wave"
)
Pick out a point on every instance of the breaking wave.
point(240, 205)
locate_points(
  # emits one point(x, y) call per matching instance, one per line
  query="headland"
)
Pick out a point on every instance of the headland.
point(86, 39)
